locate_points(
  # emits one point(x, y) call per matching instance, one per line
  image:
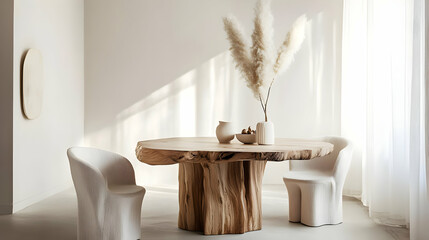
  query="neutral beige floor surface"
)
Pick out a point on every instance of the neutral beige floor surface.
point(55, 218)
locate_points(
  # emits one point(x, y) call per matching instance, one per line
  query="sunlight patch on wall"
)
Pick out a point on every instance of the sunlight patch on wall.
point(188, 106)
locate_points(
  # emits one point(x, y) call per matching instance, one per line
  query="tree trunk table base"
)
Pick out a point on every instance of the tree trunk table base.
point(220, 184)
point(221, 198)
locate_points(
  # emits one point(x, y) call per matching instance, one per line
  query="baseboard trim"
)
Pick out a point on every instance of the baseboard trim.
point(17, 206)
point(5, 209)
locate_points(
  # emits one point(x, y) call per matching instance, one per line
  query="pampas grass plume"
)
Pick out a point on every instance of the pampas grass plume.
point(258, 64)
point(240, 51)
point(262, 48)
point(291, 45)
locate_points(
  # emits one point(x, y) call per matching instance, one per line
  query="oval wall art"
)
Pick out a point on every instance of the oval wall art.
point(32, 84)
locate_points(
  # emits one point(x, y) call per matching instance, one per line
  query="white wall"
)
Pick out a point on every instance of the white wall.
point(162, 68)
point(6, 105)
point(40, 166)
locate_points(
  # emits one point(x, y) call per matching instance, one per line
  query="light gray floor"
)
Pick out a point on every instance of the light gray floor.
point(55, 218)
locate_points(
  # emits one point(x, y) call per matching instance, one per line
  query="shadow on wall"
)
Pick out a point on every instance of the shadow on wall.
point(188, 106)
point(304, 102)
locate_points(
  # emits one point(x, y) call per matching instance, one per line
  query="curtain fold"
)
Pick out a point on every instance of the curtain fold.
point(419, 193)
point(377, 53)
point(384, 109)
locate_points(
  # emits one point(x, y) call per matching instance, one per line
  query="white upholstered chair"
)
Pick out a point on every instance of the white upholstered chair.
point(109, 201)
point(315, 186)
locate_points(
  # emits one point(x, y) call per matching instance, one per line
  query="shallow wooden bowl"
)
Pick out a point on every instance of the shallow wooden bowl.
point(246, 138)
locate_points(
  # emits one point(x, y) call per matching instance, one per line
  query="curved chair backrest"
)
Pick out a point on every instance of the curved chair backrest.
point(336, 162)
point(91, 165)
point(93, 171)
point(343, 162)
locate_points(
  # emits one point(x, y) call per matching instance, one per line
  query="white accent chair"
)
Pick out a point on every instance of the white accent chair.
point(109, 201)
point(315, 186)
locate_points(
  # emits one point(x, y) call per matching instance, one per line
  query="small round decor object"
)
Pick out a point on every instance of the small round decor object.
point(246, 138)
point(224, 132)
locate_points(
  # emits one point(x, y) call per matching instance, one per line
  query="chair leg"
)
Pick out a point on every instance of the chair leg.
point(122, 219)
point(89, 225)
point(294, 193)
point(316, 204)
point(337, 209)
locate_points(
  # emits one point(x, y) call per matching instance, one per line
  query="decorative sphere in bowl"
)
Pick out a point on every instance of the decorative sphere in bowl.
point(246, 138)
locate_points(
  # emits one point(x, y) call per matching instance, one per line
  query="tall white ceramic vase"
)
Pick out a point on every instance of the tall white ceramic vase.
point(265, 133)
point(225, 132)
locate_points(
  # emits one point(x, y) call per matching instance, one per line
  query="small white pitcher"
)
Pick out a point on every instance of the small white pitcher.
point(225, 132)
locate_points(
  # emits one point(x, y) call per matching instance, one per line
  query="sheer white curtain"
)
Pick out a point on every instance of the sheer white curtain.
point(377, 53)
point(419, 161)
point(383, 70)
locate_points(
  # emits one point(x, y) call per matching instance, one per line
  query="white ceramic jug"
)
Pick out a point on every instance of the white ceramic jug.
point(224, 132)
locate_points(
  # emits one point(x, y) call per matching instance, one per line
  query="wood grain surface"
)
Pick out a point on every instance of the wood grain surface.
point(220, 198)
point(208, 150)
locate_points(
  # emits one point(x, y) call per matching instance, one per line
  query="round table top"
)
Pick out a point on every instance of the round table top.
point(208, 149)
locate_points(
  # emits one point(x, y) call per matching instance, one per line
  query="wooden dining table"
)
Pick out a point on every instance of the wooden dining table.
point(220, 184)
